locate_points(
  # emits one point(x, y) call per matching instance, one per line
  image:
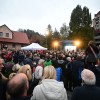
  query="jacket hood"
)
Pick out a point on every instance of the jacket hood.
point(52, 89)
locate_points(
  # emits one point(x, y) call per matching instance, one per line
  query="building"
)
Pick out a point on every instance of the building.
point(96, 25)
point(12, 39)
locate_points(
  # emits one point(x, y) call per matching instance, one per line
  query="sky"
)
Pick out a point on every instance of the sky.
point(38, 14)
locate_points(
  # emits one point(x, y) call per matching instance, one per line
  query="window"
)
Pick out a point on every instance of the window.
point(7, 34)
point(13, 45)
point(1, 34)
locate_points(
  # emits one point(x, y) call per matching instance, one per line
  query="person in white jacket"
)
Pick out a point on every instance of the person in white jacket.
point(49, 88)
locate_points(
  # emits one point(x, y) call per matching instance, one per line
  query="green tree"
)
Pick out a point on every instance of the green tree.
point(49, 34)
point(76, 19)
point(56, 34)
point(64, 31)
point(80, 25)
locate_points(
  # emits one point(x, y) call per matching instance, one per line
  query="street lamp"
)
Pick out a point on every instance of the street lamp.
point(55, 44)
point(77, 43)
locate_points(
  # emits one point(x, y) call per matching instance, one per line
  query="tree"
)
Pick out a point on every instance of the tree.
point(80, 25)
point(76, 19)
point(33, 36)
point(56, 34)
point(49, 33)
point(64, 31)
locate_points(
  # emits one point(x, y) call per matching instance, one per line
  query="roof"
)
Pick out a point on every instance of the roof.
point(18, 37)
point(97, 14)
point(7, 27)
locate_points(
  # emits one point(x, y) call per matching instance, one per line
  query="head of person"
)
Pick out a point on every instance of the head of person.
point(29, 55)
point(18, 86)
point(26, 69)
point(49, 72)
point(16, 67)
point(69, 59)
point(1, 64)
point(41, 62)
point(88, 77)
point(91, 43)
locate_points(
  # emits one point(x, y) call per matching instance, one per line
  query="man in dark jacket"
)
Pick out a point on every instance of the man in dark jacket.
point(88, 91)
point(76, 67)
point(28, 59)
point(90, 56)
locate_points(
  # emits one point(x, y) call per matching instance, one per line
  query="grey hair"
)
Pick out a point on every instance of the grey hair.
point(41, 61)
point(88, 77)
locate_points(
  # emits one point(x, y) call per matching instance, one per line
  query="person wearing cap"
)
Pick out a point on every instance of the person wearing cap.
point(88, 91)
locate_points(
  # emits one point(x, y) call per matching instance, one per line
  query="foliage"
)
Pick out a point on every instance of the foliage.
point(80, 25)
point(64, 32)
point(34, 36)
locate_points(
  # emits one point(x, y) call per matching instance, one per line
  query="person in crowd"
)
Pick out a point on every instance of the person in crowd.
point(97, 72)
point(3, 82)
point(9, 56)
point(91, 51)
point(88, 91)
point(15, 57)
point(47, 61)
point(28, 60)
point(21, 57)
point(38, 72)
point(26, 69)
point(58, 73)
point(62, 64)
point(49, 88)
point(8, 66)
point(36, 58)
point(15, 68)
point(68, 74)
point(17, 87)
point(76, 67)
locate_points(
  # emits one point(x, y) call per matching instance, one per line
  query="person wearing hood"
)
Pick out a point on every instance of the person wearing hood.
point(49, 88)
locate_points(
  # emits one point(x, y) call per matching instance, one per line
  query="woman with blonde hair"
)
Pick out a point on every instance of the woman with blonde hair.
point(26, 69)
point(49, 88)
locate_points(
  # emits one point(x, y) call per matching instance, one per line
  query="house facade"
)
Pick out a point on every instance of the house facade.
point(12, 39)
point(96, 25)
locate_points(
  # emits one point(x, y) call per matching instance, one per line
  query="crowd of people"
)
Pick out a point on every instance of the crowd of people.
point(49, 75)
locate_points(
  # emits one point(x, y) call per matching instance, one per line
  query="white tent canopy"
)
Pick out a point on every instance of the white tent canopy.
point(33, 46)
